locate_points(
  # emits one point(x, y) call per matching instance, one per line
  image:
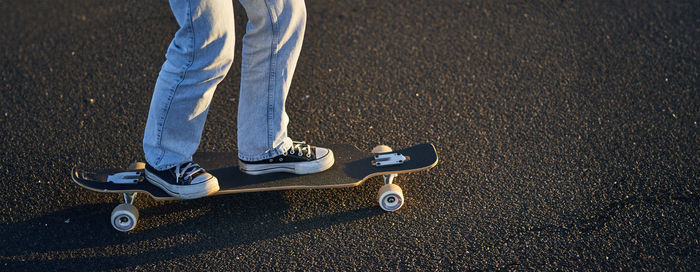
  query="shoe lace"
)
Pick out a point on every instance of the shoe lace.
point(300, 149)
point(186, 172)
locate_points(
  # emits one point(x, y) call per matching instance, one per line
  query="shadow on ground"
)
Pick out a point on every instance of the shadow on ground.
point(165, 232)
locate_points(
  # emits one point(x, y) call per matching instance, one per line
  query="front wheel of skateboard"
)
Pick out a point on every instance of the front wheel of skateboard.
point(390, 197)
point(381, 149)
point(124, 217)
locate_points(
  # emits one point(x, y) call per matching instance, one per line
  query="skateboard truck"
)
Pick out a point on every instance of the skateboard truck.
point(388, 159)
point(125, 216)
point(125, 177)
point(390, 196)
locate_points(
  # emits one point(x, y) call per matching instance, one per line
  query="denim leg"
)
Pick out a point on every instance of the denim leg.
point(197, 59)
point(271, 48)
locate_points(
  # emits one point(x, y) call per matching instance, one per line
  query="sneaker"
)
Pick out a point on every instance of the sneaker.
point(187, 180)
point(300, 159)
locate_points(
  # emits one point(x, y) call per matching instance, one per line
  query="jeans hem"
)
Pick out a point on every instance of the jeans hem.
point(284, 146)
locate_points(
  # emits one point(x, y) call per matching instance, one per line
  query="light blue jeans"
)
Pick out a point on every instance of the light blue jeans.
point(198, 59)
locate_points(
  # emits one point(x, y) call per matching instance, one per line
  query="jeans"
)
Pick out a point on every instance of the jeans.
point(199, 57)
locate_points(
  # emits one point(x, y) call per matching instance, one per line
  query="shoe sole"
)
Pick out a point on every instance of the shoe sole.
point(185, 191)
point(299, 168)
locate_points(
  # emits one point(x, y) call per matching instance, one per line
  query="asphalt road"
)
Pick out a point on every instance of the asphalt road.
point(567, 133)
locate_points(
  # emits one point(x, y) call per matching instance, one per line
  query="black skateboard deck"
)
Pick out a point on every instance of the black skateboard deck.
point(352, 167)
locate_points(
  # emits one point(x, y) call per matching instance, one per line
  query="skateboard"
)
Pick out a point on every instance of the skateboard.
point(351, 168)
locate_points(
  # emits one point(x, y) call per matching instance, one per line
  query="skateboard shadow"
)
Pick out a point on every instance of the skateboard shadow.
point(82, 236)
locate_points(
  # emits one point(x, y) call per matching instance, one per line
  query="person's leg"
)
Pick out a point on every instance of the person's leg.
point(271, 48)
point(197, 59)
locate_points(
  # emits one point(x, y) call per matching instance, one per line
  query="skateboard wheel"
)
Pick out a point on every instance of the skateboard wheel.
point(381, 149)
point(390, 197)
point(124, 217)
point(137, 166)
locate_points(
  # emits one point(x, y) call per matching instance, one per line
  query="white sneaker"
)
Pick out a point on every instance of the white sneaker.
point(188, 180)
point(300, 159)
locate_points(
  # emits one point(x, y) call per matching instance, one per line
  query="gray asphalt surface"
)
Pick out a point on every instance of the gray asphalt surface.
point(567, 133)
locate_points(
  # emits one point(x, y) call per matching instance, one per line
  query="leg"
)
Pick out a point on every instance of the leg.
point(198, 58)
point(271, 47)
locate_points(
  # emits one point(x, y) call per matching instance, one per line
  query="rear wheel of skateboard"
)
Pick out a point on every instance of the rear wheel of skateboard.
point(124, 217)
point(390, 197)
point(381, 149)
point(137, 166)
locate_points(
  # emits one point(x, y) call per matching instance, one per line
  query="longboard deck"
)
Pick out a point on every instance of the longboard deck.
point(351, 168)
